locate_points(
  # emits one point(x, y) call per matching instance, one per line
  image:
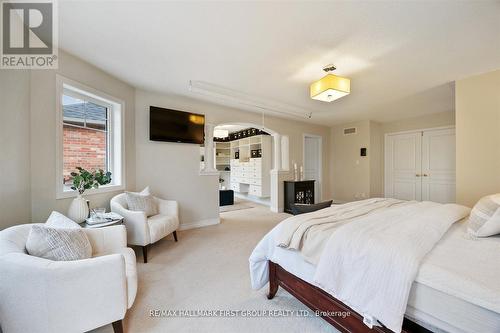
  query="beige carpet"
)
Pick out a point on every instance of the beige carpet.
point(236, 206)
point(207, 270)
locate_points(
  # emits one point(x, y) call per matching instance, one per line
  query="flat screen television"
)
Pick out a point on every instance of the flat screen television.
point(176, 126)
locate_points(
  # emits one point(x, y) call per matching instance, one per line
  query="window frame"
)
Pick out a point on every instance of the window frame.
point(115, 136)
point(76, 95)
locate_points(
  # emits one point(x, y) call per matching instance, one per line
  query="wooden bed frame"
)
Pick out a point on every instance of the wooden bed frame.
point(319, 300)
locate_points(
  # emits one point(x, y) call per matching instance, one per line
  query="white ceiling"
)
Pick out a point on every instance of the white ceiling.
point(402, 57)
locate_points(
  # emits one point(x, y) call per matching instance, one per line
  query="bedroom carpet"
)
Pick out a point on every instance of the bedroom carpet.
point(208, 270)
point(236, 206)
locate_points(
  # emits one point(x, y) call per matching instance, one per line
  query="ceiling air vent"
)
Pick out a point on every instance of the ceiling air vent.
point(350, 130)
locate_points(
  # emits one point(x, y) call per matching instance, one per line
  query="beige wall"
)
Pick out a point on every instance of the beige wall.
point(428, 121)
point(15, 185)
point(353, 175)
point(28, 147)
point(477, 101)
point(350, 171)
point(172, 169)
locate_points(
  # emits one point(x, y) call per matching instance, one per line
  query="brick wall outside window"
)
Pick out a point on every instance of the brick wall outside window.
point(83, 147)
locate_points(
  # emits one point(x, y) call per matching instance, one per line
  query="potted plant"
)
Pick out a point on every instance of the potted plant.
point(84, 180)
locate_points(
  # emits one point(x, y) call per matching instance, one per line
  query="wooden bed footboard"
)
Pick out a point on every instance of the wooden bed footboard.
point(329, 307)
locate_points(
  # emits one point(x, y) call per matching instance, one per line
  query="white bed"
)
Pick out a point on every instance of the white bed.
point(457, 288)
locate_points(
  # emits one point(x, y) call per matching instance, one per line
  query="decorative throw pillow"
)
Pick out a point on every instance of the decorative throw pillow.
point(146, 191)
point(484, 219)
point(58, 244)
point(58, 220)
point(142, 202)
point(302, 208)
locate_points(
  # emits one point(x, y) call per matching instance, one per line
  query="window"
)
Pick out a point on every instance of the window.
point(85, 136)
point(90, 135)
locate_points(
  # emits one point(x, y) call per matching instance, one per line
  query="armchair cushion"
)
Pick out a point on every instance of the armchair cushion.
point(58, 244)
point(107, 239)
point(142, 202)
point(58, 220)
point(161, 225)
point(146, 191)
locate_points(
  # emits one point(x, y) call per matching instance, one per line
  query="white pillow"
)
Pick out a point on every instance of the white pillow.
point(484, 218)
point(58, 244)
point(142, 202)
point(146, 191)
point(58, 220)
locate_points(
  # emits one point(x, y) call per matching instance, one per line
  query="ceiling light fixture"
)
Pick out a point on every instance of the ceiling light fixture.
point(330, 87)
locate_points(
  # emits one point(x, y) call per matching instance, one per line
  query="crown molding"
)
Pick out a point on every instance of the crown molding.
point(234, 98)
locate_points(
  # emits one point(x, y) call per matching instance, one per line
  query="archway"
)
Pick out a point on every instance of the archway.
point(280, 158)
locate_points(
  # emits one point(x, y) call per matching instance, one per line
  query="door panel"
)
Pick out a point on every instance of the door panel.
point(438, 165)
point(406, 190)
point(402, 166)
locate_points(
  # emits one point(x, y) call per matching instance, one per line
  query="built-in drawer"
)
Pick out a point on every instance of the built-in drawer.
point(255, 190)
point(257, 171)
point(255, 181)
point(235, 187)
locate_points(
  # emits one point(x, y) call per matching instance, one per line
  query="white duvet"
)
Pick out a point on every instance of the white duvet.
point(371, 262)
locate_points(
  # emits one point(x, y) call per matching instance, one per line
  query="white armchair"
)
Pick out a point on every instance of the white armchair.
point(41, 295)
point(143, 231)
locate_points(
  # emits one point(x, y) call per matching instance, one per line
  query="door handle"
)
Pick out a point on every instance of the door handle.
point(425, 175)
point(417, 175)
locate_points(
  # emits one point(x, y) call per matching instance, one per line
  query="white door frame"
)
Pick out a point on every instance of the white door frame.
point(419, 130)
point(277, 175)
point(406, 132)
point(318, 196)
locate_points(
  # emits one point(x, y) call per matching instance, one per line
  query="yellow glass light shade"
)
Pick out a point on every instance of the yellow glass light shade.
point(330, 88)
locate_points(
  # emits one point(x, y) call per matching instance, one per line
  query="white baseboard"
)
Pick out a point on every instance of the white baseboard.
point(279, 210)
point(199, 224)
point(338, 202)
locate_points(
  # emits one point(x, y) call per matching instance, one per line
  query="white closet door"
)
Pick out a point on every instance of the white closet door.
point(438, 165)
point(402, 166)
